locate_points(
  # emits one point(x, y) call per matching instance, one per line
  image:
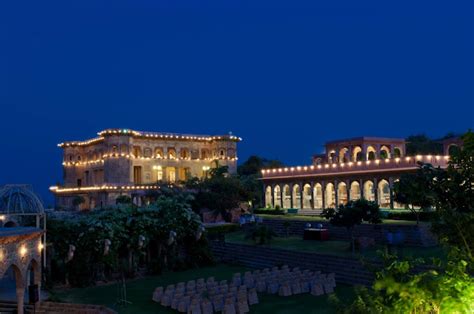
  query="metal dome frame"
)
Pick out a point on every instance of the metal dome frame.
point(20, 200)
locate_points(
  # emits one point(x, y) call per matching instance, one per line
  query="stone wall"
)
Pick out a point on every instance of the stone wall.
point(414, 235)
point(348, 270)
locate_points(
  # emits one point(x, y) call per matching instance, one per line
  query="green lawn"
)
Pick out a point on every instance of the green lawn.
point(139, 292)
point(317, 218)
point(339, 248)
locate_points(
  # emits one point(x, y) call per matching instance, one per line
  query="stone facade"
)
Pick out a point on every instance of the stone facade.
point(122, 161)
point(364, 167)
point(20, 250)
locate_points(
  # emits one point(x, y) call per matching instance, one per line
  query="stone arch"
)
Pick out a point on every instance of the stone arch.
point(171, 153)
point(147, 152)
point(355, 191)
point(277, 196)
point(137, 151)
point(268, 196)
point(357, 154)
point(159, 152)
point(184, 153)
point(330, 195)
point(369, 191)
point(383, 193)
point(222, 152)
point(17, 275)
point(296, 196)
point(286, 196)
point(342, 193)
point(397, 152)
point(307, 197)
point(371, 153)
point(343, 154)
point(318, 195)
point(205, 153)
point(332, 156)
point(384, 152)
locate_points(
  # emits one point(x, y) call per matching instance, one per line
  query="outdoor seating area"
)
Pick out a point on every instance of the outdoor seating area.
point(209, 296)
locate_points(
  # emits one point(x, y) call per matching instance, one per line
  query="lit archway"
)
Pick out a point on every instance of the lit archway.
point(357, 154)
point(342, 193)
point(332, 157)
point(397, 153)
point(355, 191)
point(318, 195)
point(371, 153)
point(369, 191)
point(343, 154)
point(286, 196)
point(384, 194)
point(384, 152)
point(277, 196)
point(296, 196)
point(330, 194)
point(268, 196)
point(307, 199)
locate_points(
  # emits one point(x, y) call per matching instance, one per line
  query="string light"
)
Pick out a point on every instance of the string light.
point(341, 165)
point(139, 134)
point(57, 189)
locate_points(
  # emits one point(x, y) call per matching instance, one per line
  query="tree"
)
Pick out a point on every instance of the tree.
point(411, 190)
point(78, 200)
point(123, 199)
point(422, 145)
point(250, 172)
point(352, 214)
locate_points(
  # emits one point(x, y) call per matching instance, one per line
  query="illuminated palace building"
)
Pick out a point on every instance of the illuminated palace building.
point(350, 169)
point(128, 162)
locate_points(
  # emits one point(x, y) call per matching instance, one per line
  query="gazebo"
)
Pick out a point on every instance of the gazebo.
point(22, 241)
point(19, 206)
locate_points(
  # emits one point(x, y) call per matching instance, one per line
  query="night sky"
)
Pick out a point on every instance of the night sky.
point(284, 75)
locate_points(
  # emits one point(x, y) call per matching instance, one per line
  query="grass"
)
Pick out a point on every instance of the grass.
point(139, 292)
point(317, 218)
point(338, 248)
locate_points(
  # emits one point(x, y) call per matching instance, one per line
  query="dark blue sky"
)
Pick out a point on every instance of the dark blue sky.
point(284, 75)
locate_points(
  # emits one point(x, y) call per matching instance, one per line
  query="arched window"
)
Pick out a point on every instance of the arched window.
point(342, 193)
point(332, 156)
point(268, 196)
point(114, 149)
point(147, 152)
point(369, 191)
point(384, 194)
point(397, 152)
point(277, 196)
point(171, 153)
point(330, 195)
point(371, 153)
point(355, 191)
point(286, 196)
point(307, 196)
point(318, 195)
point(159, 152)
point(384, 152)
point(343, 155)
point(184, 153)
point(137, 151)
point(296, 196)
point(357, 154)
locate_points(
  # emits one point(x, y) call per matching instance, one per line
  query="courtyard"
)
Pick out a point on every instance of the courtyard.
point(139, 292)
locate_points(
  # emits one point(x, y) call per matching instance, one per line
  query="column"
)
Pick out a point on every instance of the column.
point(390, 184)
point(361, 188)
point(291, 196)
point(348, 190)
point(312, 200)
point(376, 191)
point(281, 195)
point(273, 195)
point(301, 194)
point(377, 153)
point(336, 193)
point(20, 296)
point(323, 191)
